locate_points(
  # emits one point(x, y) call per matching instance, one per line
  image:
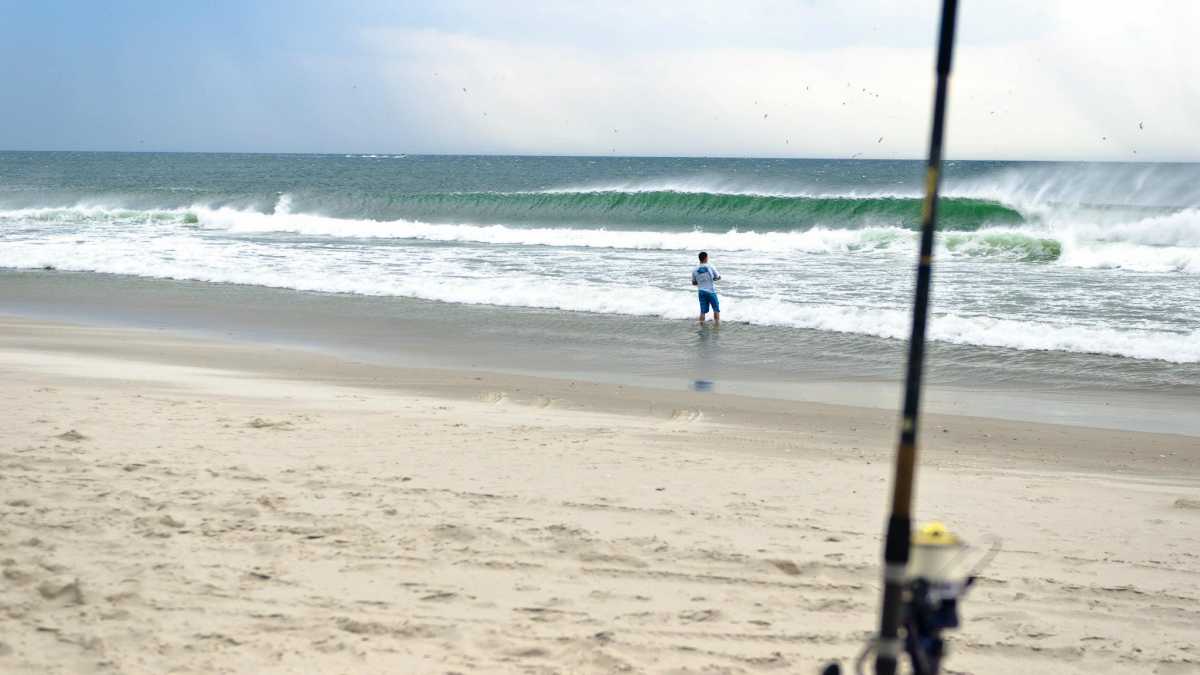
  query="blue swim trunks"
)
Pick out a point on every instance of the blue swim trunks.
point(709, 298)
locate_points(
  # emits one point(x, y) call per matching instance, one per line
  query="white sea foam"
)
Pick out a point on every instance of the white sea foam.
point(1159, 243)
point(1081, 245)
point(88, 213)
point(815, 240)
point(1179, 229)
point(196, 258)
point(1133, 257)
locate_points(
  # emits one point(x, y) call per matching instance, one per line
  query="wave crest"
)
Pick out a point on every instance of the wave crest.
point(675, 209)
point(1160, 242)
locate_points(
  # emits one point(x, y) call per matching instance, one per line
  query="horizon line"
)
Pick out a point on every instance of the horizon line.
point(393, 154)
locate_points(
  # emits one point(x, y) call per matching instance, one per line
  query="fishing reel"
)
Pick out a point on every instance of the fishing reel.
point(937, 580)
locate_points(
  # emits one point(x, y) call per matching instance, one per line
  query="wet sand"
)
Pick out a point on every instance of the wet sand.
point(173, 504)
point(766, 362)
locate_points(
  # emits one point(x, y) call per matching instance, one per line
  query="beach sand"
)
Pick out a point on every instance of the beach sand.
point(174, 505)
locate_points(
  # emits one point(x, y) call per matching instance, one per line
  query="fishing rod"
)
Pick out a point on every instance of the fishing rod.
point(921, 586)
point(896, 578)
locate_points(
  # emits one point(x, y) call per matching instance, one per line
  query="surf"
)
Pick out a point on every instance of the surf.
point(182, 260)
point(1156, 243)
point(671, 209)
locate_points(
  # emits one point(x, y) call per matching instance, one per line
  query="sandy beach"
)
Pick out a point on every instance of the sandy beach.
point(177, 505)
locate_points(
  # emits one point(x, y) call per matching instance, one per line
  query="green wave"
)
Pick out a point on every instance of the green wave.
point(1012, 245)
point(666, 209)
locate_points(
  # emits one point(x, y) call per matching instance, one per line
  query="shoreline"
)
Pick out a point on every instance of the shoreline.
point(1073, 389)
point(188, 505)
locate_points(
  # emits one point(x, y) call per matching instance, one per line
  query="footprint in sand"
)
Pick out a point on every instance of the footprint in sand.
point(685, 415)
point(17, 576)
point(63, 590)
point(170, 521)
point(699, 615)
point(786, 566)
point(260, 423)
point(453, 532)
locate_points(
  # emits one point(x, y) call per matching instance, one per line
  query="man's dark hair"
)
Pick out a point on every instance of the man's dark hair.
point(703, 256)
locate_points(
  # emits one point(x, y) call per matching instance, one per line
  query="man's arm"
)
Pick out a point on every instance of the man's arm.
point(715, 273)
point(694, 282)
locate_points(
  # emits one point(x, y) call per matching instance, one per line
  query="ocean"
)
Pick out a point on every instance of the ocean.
point(1047, 274)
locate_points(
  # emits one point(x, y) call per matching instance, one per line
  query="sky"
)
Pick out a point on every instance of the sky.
point(1033, 79)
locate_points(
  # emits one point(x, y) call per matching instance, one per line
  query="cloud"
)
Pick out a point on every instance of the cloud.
point(1062, 79)
point(1051, 94)
point(468, 91)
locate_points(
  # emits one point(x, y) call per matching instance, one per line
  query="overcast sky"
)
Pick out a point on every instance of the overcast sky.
point(1048, 79)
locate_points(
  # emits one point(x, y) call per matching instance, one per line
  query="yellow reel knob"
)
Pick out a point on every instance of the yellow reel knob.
point(934, 533)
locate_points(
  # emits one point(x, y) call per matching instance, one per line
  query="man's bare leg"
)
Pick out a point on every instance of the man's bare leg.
point(716, 318)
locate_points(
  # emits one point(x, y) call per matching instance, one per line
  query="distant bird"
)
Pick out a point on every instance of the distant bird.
point(764, 116)
point(464, 90)
point(880, 140)
point(1104, 138)
point(1139, 126)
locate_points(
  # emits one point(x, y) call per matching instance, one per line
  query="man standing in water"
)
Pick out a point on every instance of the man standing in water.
point(703, 278)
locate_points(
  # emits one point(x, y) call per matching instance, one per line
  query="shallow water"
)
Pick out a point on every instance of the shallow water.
point(773, 362)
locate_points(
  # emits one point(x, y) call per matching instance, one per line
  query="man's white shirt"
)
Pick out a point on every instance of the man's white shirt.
point(704, 276)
